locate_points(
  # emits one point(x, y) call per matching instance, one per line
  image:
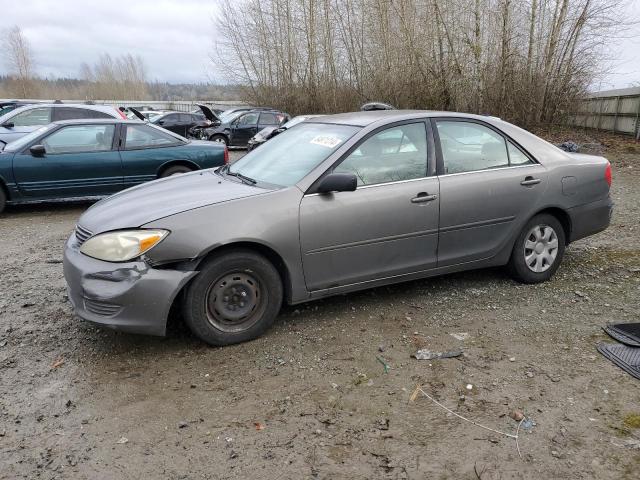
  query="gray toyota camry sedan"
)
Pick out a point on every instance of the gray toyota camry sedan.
point(337, 204)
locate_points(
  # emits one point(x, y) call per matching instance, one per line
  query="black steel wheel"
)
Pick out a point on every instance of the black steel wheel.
point(235, 297)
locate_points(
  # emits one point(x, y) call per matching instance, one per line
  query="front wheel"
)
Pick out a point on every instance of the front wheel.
point(235, 297)
point(221, 139)
point(538, 250)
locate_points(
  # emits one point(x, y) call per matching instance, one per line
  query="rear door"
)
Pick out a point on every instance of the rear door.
point(387, 227)
point(488, 185)
point(80, 160)
point(171, 122)
point(143, 150)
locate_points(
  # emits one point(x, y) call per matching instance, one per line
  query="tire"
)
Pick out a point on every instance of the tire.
point(218, 139)
point(3, 199)
point(175, 170)
point(538, 250)
point(235, 297)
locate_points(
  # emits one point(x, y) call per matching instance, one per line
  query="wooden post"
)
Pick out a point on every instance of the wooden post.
point(615, 119)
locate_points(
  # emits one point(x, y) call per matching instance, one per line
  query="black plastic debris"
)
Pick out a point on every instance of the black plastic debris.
point(627, 333)
point(627, 358)
point(569, 147)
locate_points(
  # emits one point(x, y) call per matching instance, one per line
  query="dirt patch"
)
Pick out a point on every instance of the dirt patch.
point(311, 398)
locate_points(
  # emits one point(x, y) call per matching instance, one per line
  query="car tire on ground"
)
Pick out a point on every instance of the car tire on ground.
point(175, 170)
point(218, 139)
point(235, 297)
point(3, 200)
point(538, 250)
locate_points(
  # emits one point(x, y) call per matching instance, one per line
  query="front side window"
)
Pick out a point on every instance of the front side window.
point(289, 157)
point(80, 139)
point(249, 119)
point(470, 147)
point(398, 153)
point(144, 136)
point(31, 118)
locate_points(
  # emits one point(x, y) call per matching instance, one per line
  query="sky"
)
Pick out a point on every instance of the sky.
point(175, 37)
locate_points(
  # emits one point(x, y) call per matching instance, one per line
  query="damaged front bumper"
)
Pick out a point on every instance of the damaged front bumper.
point(131, 296)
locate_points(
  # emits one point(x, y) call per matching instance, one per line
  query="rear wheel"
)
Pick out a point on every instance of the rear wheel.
point(218, 139)
point(538, 250)
point(175, 170)
point(235, 297)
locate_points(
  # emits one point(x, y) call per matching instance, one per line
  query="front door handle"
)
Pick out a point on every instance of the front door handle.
point(528, 181)
point(423, 197)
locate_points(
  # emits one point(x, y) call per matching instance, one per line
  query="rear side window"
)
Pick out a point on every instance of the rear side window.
point(31, 118)
point(142, 136)
point(80, 139)
point(268, 119)
point(469, 147)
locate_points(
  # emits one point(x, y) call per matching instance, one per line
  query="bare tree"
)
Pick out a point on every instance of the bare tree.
point(19, 60)
point(525, 60)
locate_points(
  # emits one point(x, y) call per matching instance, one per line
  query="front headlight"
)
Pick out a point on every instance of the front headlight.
point(122, 245)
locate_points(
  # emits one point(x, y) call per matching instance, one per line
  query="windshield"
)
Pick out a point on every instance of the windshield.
point(290, 156)
point(22, 142)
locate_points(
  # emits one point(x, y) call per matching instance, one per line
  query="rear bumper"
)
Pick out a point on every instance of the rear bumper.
point(131, 297)
point(590, 218)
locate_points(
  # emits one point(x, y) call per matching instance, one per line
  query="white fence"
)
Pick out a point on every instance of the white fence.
point(180, 106)
point(617, 111)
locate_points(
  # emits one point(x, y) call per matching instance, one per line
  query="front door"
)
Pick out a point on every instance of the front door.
point(245, 127)
point(387, 227)
point(79, 161)
point(488, 186)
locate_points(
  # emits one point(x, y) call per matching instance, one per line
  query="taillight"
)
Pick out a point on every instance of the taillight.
point(607, 174)
point(226, 157)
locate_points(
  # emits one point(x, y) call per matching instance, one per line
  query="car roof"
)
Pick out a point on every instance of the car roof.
point(363, 119)
point(100, 108)
point(99, 121)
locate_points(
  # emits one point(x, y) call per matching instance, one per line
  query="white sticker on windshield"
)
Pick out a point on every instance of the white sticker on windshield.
point(328, 141)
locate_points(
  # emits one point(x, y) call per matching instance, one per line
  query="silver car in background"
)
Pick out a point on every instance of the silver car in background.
point(20, 121)
point(339, 203)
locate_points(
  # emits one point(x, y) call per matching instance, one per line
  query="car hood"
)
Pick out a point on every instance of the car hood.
point(161, 198)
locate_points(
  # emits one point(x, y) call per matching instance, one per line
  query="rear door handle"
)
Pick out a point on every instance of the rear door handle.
point(423, 197)
point(528, 181)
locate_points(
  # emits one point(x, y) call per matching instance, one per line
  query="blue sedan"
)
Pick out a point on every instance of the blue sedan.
point(81, 159)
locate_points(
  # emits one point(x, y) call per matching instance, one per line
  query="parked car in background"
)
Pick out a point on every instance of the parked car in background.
point(236, 130)
point(94, 158)
point(26, 119)
point(232, 111)
point(186, 124)
point(270, 132)
point(336, 204)
point(7, 105)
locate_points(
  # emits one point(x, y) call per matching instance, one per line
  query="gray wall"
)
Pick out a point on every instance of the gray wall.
point(612, 110)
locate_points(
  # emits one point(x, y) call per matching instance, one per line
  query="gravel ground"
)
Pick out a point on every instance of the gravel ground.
point(311, 399)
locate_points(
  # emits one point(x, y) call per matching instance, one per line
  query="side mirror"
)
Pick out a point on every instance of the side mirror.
point(38, 150)
point(8, 125)
point(160, 122)
point(338, 182)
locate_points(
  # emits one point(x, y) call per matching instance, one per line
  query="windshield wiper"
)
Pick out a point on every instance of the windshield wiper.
point(242, 177)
